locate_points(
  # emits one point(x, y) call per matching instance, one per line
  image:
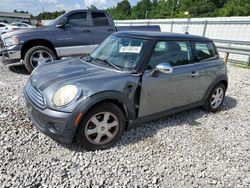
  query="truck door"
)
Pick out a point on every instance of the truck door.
point(101, 26)
point(76, 37)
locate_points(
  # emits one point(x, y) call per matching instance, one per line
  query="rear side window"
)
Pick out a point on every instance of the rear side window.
point(1, 25)
point(78, 19)
point(100, 19)
point(176, 53)
point(204, 51)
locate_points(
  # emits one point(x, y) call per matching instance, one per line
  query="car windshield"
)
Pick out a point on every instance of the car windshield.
point(120, 52)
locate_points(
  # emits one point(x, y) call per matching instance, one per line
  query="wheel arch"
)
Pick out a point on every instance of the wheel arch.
point(116, 97)
point(221, 79)
point(37, 42)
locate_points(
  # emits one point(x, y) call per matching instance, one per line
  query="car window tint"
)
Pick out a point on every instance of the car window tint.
point(204, 51)
point(78, 19)
point(100, 19)
point(175, 53)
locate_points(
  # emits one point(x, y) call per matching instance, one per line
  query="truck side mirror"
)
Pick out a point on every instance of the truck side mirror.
point(63, 23)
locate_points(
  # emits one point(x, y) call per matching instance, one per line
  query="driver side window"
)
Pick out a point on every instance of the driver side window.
point(175, 53)
point(78, 20)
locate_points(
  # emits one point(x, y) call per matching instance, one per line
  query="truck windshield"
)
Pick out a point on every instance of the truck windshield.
point(122, 52)
point(55, 21)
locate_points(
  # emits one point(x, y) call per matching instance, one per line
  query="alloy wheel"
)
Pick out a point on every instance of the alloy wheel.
point(217, 97)
point(102, 128)
point(40, 56)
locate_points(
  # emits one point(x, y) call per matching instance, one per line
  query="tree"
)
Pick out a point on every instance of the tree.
point(236, 8)
point(142, 9)
point(92, 7)
point(121, 11)
point(49, 15)
point(124, 9)
point(219, 3)
point(197, 8)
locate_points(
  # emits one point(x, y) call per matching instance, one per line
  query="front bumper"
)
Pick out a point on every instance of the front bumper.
point(57, 125)
point(11, 55)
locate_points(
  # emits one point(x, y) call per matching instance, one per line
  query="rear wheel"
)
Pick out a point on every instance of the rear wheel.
point(101, 127)
point(37, 55)
point(215, 98)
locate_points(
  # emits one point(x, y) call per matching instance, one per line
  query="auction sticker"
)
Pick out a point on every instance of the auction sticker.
point(130, 49)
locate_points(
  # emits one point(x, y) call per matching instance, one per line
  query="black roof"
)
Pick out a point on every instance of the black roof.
point(162, 35)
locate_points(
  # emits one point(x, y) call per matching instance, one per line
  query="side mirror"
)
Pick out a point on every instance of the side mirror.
point(165, 68)
point(63, 23)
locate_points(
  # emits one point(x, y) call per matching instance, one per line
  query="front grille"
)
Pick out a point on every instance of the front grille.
point(35, 96)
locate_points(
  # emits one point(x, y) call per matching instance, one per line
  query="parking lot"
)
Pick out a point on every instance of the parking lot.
point(191, 149)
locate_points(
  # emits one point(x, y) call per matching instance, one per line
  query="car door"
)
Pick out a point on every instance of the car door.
point(207, 64)
point(76, 37)
point(102, 27)
point(161, 91)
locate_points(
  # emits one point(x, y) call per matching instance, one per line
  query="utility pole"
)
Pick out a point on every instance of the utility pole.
point(146, 15)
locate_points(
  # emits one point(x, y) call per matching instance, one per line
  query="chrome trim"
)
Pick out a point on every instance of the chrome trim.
point(14, 64)
point(165, 68)
point(75, 50)
point(11, 55)
point(35, 96)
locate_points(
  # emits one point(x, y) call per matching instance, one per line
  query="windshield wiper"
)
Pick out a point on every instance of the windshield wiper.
point(107, 62)
point(87, 58)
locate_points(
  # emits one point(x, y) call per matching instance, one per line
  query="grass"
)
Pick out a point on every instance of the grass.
point(240, 65)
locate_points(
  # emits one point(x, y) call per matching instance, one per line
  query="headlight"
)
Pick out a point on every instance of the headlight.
point(11, 41)
point(65, 95)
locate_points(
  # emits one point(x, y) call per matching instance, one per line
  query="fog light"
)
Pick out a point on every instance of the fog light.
point(52, 128)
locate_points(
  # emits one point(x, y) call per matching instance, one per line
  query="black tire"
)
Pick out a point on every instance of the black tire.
point(28, 56)
point(85, 140)
point(208, 104)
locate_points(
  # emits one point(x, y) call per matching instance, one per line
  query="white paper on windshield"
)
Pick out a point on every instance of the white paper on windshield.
point(130, 49)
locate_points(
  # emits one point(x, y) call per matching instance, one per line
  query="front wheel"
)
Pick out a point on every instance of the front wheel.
point(101, 127)
point(37, 55)
point(215, 98)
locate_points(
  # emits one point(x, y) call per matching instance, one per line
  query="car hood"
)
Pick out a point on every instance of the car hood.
point(91, 79)
point(72, 71)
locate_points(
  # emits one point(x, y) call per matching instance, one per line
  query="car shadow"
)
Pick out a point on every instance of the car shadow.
point(142, 131)
point(19, 69)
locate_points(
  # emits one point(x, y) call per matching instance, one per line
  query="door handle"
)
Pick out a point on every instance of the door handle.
point(193, 74)
point(86, 31)
point(110, 30)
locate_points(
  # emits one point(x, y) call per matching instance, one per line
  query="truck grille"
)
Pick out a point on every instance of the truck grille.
point(35, 96)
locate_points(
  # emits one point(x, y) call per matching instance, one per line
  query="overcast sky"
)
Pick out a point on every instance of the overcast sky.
point(36, 6)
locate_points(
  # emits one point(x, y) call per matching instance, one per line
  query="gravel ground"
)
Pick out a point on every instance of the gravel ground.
point(191, 149)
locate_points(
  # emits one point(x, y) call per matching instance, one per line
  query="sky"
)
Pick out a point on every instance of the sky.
point(36, 6)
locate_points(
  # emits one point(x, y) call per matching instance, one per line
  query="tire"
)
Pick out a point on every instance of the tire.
point(211, 104)
point(33, 53)
point(101, 127)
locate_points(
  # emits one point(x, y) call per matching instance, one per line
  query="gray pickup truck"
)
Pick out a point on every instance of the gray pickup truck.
point(74, 33)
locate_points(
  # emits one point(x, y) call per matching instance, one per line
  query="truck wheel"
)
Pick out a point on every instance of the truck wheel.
point(215, 98)
point(37, 55)
point(101, 127)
